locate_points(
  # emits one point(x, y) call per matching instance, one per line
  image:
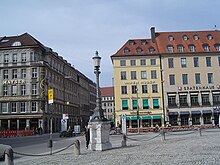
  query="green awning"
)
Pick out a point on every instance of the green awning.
point(134, 118)
point(146, 117)
point(157, 117)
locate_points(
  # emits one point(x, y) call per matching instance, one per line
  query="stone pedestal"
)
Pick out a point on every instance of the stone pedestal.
point(99, 135)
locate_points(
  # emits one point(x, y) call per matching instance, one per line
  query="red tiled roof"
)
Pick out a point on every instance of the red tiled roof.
point(25, 40)
point(107, 91)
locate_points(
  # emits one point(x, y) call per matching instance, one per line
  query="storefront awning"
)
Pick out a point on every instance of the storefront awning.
point(156, 117)
point(207, 112)
point(134, 118)
point(146, 118)
point(216, 112)
point(127, 118)
point(184, 112)
point(196, 112)
point(173, 113)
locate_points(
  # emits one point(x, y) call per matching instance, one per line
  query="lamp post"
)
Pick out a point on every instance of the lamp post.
point(138, 116)
point(98, 111)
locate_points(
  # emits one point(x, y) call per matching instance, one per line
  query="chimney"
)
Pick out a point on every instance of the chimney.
point(153, 38)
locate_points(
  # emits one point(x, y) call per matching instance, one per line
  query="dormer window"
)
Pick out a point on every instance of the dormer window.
point(192, 48)
point(180, 48)
point(196, 37)
point(131, 43)
point(209, 37)
point(138, 50)
point(206, 47)
point(217, 47)
point(185, 38)
point(151, 49)
point(126, 50)
point(170, 49)
point(170, 38)
point(16, 43)
point(143, 42)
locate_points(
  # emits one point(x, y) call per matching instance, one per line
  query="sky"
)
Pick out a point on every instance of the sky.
point(75, 29)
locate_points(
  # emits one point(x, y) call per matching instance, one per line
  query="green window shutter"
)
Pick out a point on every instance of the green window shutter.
point(145, 104)
point(155, 103)
point(134, 104)
point(124, 104)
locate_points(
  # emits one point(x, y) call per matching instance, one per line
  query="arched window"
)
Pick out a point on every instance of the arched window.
point(206, 47)
point(180, 48)
point(192, 48)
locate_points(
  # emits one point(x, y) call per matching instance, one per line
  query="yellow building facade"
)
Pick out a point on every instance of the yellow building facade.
point(138, 85)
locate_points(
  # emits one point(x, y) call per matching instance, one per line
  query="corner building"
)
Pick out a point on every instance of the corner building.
point(137, 84)
point(28, 70)
point(187, 66)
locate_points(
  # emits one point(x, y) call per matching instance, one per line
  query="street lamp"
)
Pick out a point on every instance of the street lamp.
point(98, 111)
point(138, 116)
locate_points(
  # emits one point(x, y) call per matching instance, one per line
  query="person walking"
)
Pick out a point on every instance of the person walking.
point(87, 135)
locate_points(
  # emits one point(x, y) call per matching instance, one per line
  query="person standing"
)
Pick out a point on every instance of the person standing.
point(87, 135)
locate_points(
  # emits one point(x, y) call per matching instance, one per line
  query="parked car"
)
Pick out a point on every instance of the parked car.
point(67, 134)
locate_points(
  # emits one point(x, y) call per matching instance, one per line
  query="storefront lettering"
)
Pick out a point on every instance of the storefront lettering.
point(191, 88)
point(12, 82)
point(142, 82)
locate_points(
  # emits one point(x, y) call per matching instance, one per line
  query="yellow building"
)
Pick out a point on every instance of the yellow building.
point(137, 84)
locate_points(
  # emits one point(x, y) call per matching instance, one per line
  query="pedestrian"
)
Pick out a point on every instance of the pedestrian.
point(87, 135)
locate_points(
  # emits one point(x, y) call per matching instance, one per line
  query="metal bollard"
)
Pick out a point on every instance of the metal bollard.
point(76, 148)
point(162, 135)
point(7, 152)
point(200, 131)
point(123, 142)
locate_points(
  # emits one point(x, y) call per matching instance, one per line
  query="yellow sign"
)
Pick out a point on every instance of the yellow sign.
point(50, 96)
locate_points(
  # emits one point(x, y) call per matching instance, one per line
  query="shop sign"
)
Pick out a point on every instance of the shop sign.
point(192, 88)
point(13, 82)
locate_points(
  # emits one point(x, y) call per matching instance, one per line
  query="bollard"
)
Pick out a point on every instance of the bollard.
point(200, 131)
point(76, 148)
point(162, 135)
point(123, 142)
point(7, 152)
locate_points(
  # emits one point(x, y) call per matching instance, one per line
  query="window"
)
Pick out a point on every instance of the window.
point(209, 37)
point(134, 104)
point(205, 99)
point(143, 74)
point(216, 99)
point(145, 104)
point(131, 42)
point(126, 50)
point(133, 62)
point(208, 62)
point(155, 103)
point(5, 74)
point(197, 78)
point(153, 74)
point(196, 37)
point(144, 89)
point(23, 73)
point(123, 75)
point(22, 107)
point(172, 79)
point(152, 61)
point(124, 90)
point(143, 42)
point(154, 88)
point(138, 50)
point(133, 75)
point(6, 58)
point(14, 90)
point(14, 73)
point(23, 57)
point(134, 89)
point(13, 107)
point(23, 90)
point(217, 47)
point(170, 63)
point(33, 56)
point(218, 61)
point(185, 79)
point(183, 100)
point(170, 38)
point(16, 43)
point(122, 62)
point(143, 62)
point(192, 48)
point(34, 106)
point(34, 89)
point(4, 107)
point(14, 58)
point(183, 62)
point(185, 38)
point(34, 72)
point(170, 49)
point(172, 101)
point(180, 48)
point(124, 104)
point(206, 47)
point(5, 90)
point(151, 49)
point(210, 78)
point(196, 61)
point(194, 100)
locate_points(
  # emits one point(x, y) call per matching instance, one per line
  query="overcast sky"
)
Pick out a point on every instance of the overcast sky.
point(75, 29)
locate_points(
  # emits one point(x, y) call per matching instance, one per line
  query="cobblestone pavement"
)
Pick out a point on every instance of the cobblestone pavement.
point(178, 149)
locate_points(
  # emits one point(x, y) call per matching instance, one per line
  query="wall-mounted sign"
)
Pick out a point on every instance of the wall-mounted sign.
point(141, 82)
point(13, 82)
point(192, 88)
point(50, 96)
